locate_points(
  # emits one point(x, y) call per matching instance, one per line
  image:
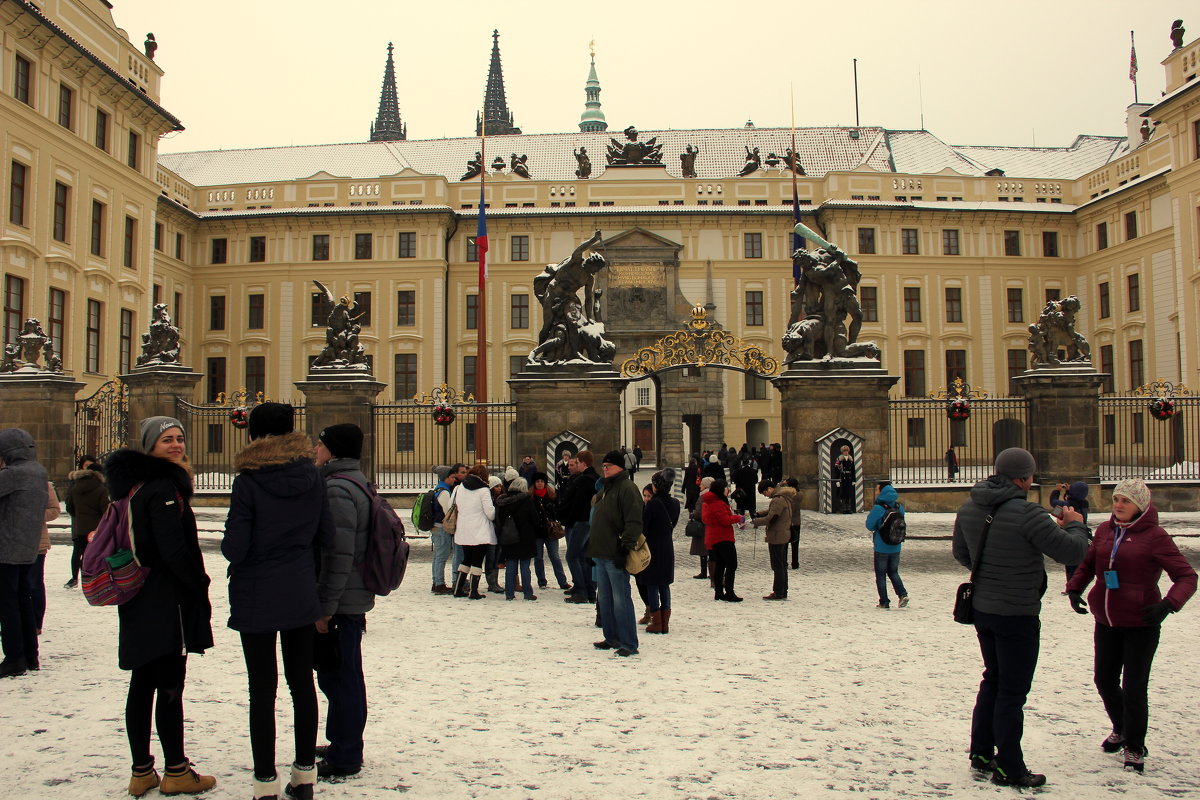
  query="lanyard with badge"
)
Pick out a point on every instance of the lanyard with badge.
point(1110, 574)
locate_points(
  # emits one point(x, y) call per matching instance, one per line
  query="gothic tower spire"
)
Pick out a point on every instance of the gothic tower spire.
point(592, 118)
point(387, 126)
point(498, 118)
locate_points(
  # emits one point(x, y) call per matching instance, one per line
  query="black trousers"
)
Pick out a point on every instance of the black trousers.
point(262, 672)
point(1122, 675)
point(795, 545)
point(723, 563)
point(778, 555)
point(77, 548)
point(474, 554)
point(1010, 648)
point(165, 676)
point(18, 621)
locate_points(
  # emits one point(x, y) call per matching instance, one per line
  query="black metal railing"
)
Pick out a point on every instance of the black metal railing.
point(922, 434)
point(1134, 443)
point(214, 441)
point(102, 421)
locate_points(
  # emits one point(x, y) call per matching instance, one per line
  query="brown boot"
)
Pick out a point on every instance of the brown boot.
point(666, 620)
point(184, 779)
point(646, 617)
point(655, 625)
point(143, 780)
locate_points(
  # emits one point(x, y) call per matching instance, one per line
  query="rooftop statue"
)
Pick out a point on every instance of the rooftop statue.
point(32, 346)
point(753, 162)
point(687, 160)
point(342, 350)
point(572, 330)
point(160, 345)
point(584, 170)
point(474, 167)
point(520, 165)
point(1177, 31)
point(633, 151)
point(1055, 329)
point(792, 159)
point(151, 46)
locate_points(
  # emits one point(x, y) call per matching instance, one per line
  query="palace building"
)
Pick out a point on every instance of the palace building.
point(960, 246)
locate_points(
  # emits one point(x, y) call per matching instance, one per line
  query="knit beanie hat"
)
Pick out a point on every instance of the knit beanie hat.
point(1135, 491)
point(343, 441)
point(1077, 493)
point(706, 482)
point(663, 480)
point(510, 475)
point(154, 427)
point(1015, 463)
point(614, 457)
point(271, 419)
point(494, 481)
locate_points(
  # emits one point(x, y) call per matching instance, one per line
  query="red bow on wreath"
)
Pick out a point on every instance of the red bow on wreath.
point(958, 408)
point(239, 417)
point(1162, 408)
point(443, 415)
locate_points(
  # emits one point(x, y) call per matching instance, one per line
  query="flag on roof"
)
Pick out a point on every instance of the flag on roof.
point(481, 239)
point(1132, 59)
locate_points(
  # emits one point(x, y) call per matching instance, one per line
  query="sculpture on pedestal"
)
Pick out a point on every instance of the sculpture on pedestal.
point(520, 165)
point(32, 346)
point(342, 350)
point(584, 169)
point(1177, 33)
point(753, 162)
point(474, 167)
point(572, 330)
point(160, 345)
point(687, 160)
point(633, 151)
point(1055, 329)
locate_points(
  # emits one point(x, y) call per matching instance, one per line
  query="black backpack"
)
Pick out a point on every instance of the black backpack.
point(892, 528)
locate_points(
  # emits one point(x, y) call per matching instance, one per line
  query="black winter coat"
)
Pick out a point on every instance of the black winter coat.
point(575, 500)
point(87, 499)
point(520, 508)
point(658, 524)
point(278, 523)
point(171, 614)
point(547, 509)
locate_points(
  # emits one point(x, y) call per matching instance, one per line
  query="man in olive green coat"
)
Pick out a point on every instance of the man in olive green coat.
point(616, 526)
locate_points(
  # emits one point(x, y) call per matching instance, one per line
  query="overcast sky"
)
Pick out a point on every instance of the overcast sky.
point(260, 73)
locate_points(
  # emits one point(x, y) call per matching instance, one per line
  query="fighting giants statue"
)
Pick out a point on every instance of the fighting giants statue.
point(821, 301)
point(572, 330)
point(31, 346)
point(1055, 329)
point(342, 350)
point(161, 344)
point(633, 151)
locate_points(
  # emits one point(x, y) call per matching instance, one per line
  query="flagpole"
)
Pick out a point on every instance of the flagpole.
point(1133, 66)
point(481, 397)
point(795, 192)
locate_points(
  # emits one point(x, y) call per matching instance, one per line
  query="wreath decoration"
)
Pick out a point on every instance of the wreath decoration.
point(959, 408)
point(442, 414)
point(1162, 408)
point(239, 417)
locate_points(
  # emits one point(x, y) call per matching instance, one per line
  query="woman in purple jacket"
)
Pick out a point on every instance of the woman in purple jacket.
point(1127, 557)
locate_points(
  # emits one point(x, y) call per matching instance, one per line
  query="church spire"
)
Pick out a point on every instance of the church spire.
point(592, 118)
point(498, 118)
point(387, 126)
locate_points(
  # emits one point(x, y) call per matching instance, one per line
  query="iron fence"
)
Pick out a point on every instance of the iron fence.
point(102, 421)
point(1136, 444)
point(923, 434)
point(214, 441)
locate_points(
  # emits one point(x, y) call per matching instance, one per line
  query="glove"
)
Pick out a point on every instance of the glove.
point(1077, 604)
point(1155, 614)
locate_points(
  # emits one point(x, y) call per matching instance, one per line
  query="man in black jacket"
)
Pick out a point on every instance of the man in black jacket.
point(574, 512)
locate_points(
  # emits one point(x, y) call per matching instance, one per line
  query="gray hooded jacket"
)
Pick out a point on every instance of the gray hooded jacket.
point(23, 496)
point(340, 584)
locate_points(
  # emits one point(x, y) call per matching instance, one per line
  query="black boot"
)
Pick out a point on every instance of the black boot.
point(730, 597)
point(703, 569)
point(460, 585)
point(493, 581)
point(12, 667)
point(475, 595)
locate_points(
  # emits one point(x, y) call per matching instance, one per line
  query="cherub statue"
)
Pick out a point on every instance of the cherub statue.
point(474, 167)
point(520, 165)
point(753, 162)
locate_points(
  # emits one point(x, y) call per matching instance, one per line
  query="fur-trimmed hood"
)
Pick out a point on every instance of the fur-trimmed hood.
point(511, 498)
point(127, 468)
point(86, 475)
point(277, 464)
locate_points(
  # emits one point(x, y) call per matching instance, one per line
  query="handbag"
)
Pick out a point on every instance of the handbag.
point(694, 528)
point(637, 558)
point(964, 598)
point(450, 521)
point(509, 534)
point(554, 529)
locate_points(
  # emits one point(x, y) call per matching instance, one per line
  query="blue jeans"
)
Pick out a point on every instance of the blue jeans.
point(1010, 652)
point(887, 565)
point(442, 545)
point(658, 596)
point(550, 546)
point(346, 690)
point(578, 561)
point(615, 604)
point(457, 559)
point(510, 577)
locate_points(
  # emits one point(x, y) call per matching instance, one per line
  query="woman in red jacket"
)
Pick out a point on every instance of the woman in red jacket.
point(1128, 557)
point(718, 538)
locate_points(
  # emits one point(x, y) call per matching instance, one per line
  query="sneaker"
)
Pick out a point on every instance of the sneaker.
point(325, 770)
point(577, 599)
point(186, 781)
point(1113, 742)
point(604, 645)
point(1135, 759)
point(71, 584)
point(625, 652)
point(531, 597)
point(983, 764)
point(773, 596)
point(543, 585)
point(884, 606)
point(1024, 780)
point(143, 780)
point(904, 601)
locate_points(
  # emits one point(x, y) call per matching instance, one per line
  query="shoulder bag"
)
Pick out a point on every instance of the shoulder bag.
point(450, 521)
point(964, 598)
point(637, 558)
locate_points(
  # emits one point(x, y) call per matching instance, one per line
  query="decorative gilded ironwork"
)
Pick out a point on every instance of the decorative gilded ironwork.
point(701, 344)
point(959, 390)
point(444, 395)
point(102, 420)
point(239, 398)
point(1160, 387)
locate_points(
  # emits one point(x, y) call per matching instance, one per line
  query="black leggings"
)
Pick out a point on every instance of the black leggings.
point(262, 672)
point(1122, 676)
point(77, 548)
point(723, 560)
point(474, 554)
point(164, 675)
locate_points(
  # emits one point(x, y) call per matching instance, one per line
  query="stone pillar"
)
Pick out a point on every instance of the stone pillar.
point(44, 405)
point(560, 399)
point(1064, 422)
point(816, 401)
point(153, 392)
point(335, 402)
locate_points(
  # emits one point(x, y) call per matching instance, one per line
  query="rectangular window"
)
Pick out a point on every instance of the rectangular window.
point(1110, 428)
point(363, 302)
point(1131, 228)
point(216, 313)
point(1196, 139)
point(320, 247)
point(1053, 295)
point(910, 241)
point(256, 311)
point(362, 246)
point(1101, 235)
point(177, 316)
point(915, 431)
point(62, 195)
point(320, 309)
point(518, 311)
point(1133, 283)
point(258, 249)
point(1137, 427)
point(914, 373)
point(58, 320)
point(516, 365)
point(1018, 362)
point(220, 251)
point(1050, 244)
point(472, 251)
point(643, 396)
point(408, 245)
point(130, 252)
point(216, 378)
point(156, 294)
point(405, 380)
point(868, 297)
point(23, 81)
point(472, 312)
point(406, 437)
point(520, 248)
point(755, 388)
point(754, 308)
point(126, 342)
point(956, 366)
point(66, 107)
point(101, 137)
point(14, 307)
point(16, 193)
point(134, 154)
point(1107, 366)
point(866, 241)
point(912, 304)
point(469, 374)
point(94, 311)
point(1105, 303)
point(1016, 305)
point(1012, 243)
point(256, 376)
point(1137, 364)
point(158, 236)
point(406, 308)
point(950, 245)
point(954, 304)
point(752, 245)
point(215, 440)
point(179, 246)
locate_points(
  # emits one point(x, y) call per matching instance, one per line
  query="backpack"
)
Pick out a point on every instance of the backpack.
point(383, 563)
point(424, 511)
point(892, 528)
point(112, 574)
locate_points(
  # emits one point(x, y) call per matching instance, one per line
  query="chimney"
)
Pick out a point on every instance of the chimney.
point(1133, 123)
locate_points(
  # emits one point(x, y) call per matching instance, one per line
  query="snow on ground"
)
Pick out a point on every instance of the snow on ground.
point(820, 696)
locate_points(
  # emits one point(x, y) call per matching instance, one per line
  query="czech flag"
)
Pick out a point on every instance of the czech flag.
point(481, 239)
